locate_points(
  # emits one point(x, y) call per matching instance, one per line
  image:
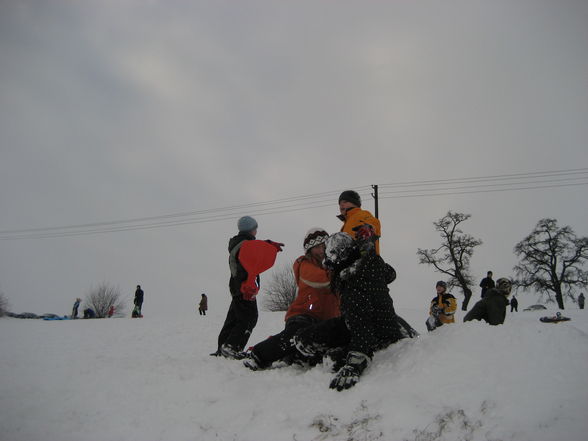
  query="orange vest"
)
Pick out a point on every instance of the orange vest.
point(315, 297)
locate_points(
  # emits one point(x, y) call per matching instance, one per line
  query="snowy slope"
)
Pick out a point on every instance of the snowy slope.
point(152, 379)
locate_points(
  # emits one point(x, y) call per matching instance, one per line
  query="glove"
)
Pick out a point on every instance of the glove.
point(436, 310)
point(249, 292)
point(349, 374)
point(278, 245)
point(347, 377)
point(366, 237)
point(365, 232)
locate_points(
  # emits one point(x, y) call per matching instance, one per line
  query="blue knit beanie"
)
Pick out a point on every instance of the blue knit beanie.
point(246, 224)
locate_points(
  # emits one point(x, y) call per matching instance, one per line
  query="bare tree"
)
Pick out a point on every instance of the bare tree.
point(452, 258)
point(101, 298)
point(280, 289)
point(3, 304)
point(551, 260)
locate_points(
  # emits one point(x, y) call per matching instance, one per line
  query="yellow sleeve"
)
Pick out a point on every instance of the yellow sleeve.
point(450, 309)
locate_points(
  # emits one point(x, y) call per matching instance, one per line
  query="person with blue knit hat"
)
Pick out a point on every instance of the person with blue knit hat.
point(242, 315)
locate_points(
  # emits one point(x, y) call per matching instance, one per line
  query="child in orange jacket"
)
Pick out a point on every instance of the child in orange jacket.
point(314, 302)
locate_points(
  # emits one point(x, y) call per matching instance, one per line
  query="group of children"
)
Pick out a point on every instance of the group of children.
point(343, 311)
point(491, 308)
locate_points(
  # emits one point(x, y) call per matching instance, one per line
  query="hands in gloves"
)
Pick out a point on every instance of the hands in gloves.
point(278, 245)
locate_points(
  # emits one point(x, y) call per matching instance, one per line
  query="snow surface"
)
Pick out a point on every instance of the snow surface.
point(152, 379)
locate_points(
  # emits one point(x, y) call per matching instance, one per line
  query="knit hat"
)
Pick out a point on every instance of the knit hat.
point(314, 237)
point(505, 285)
point(441, 283)
point(246, 224)
point(350, 196)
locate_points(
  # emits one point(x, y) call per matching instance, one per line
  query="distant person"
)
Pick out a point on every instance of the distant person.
point(242, 314)
point(111, 311)
point(492, 308)
point(89, 313)
point(487, 283)
point(138, 302)
point(442, 307)
point(314, 302)
point(581, 300)
point(514, 305)
point(74, 311)
point(203, 305)
point(354, 217)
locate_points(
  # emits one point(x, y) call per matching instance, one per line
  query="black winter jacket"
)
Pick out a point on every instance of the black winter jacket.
point(368, 273)
point(238, 273)
point(138, 297)
point(492, 308)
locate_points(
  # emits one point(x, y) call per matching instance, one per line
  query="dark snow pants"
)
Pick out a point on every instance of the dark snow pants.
point(239, 323)
point(280, 345)
point(368, 324)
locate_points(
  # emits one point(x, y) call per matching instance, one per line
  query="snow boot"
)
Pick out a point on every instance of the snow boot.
point(228, 351)
point(253, 362)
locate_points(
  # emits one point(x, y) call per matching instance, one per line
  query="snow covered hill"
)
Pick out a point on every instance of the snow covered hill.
point(152, 379)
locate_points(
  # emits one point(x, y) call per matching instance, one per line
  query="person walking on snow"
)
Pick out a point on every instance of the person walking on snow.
point(492, 308)
point(74, 312)
point(314, 302)
point(138, 302)
point(581, 300)
point(242, 314)
point(442, 307)
point(514, 305)
point(203, 305)
point(354, 217)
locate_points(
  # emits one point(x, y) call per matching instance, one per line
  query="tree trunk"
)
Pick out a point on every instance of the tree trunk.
point(559, 297)
point(467, 295)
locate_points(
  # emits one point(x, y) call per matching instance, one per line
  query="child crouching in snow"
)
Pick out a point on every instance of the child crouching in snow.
point(368, 321)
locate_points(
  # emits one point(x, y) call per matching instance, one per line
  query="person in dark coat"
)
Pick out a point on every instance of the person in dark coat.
point(487, 283)
point(492, 308)
point(74, 312)
point(514, 305)
point(368, 322)
point(89, 313)
point(242, 315)
point(581, 300)
point(138, 302)
point(203, 305)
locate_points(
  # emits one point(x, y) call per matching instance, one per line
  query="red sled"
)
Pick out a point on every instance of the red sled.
point(256, 256)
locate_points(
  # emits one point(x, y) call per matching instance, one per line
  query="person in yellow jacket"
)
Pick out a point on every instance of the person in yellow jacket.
point(442, 308)
point(354, 217)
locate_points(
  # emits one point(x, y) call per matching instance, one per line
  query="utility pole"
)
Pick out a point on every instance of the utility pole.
point(375, 196)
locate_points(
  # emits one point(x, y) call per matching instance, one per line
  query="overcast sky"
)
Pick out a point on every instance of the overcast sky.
point(129, 109)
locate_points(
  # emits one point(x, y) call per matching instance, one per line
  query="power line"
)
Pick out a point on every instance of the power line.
point(511, 185)
point(410, 189)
